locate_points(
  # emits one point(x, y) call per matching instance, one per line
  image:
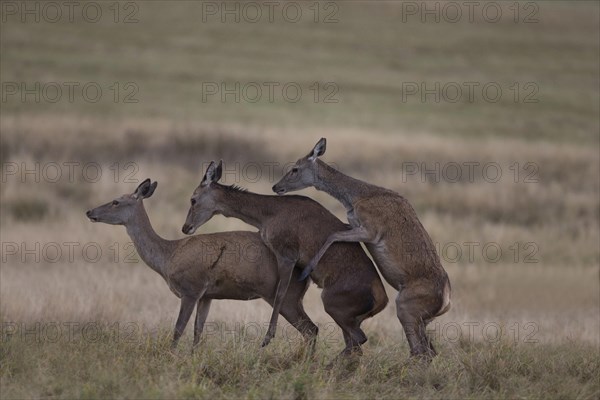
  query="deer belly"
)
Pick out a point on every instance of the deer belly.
point(388, 266)
point(227, 289)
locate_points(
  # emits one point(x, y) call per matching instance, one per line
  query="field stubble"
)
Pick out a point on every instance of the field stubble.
point(525, 319)
point(514, 317)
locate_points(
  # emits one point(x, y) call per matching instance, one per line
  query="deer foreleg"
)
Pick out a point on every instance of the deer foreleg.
point(359, 234)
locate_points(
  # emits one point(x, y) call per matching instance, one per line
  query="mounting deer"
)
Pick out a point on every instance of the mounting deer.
point(294, 228)
point(198, 269)
point(389, 227)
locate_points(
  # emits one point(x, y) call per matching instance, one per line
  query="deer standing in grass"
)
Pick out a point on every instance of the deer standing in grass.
point(198, 269)
point(389, 227)
point(294, 228)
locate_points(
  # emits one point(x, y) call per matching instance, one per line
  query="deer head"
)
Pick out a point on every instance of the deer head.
point(203, 204)
point(121, 210)
point(303, 173)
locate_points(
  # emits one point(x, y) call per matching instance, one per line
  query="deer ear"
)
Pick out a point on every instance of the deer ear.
point(219, 171)
point(150, 190)
point(318, 150)
point(143, 189)
point(213, 173)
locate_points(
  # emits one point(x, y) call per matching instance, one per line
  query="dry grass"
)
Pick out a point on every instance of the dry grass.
point(145, 368)
point(506, 312)
point(541, 297)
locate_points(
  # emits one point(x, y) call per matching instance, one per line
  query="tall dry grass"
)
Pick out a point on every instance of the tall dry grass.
point(552, 221)
point(524, 323)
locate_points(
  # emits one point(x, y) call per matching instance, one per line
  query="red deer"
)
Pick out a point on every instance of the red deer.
point(198, 269)
point(393, 234)
point(294, 228)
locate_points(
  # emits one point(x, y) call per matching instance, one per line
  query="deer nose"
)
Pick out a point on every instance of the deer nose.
point(277, 190)
point(185, 228)
point(89, 215)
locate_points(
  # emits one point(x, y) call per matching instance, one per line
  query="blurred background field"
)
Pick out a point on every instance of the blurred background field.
point(542, 211)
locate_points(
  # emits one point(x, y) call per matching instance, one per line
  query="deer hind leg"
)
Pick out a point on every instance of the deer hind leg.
point(202, 310)
point(414, 314)
point(285, 269)
point(353, 338)
point(357, 338)
point(293, 311)
point(185, 312)
point(341, 309)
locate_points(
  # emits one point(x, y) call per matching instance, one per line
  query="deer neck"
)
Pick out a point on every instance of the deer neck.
point(254, 209)
point(154, 250)
point(338, 185)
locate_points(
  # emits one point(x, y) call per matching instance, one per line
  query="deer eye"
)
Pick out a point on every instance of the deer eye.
point(115, 203)
point(193, 201)
point(294, 170)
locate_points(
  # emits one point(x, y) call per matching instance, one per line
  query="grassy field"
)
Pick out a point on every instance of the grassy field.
point(508, 189)
point(146, 368)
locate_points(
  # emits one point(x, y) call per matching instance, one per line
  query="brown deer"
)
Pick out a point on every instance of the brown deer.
point(388, 225)
point(294, 228)
point(198, 269)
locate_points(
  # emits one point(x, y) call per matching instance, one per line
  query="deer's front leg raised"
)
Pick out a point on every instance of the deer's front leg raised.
point(359, 234)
